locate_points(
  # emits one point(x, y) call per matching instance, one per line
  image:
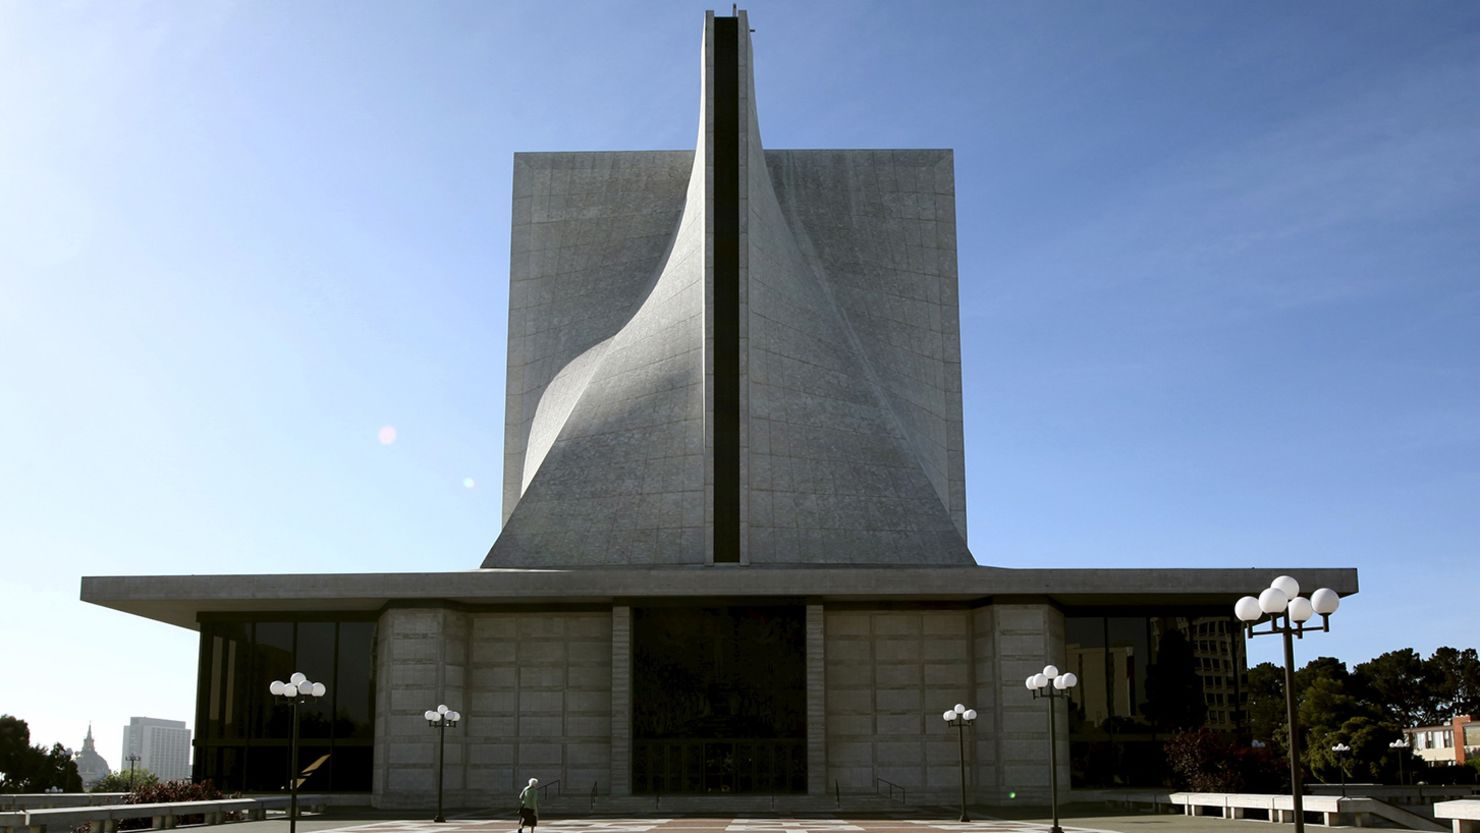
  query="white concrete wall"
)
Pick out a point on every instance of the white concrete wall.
point(890, 674)
point(534, 689)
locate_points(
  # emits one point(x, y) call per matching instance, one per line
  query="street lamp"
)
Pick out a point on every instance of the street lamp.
point(961, 717)
point(132, 759)
point(1401, 745)
point(441, 719)
point(295, 692)
point(1341, 749)
point(1049, 684)
point(1288, 614)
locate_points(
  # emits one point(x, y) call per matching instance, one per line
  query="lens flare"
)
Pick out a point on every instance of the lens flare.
point(1012, 795)
point(469, 483)
point(386, 434)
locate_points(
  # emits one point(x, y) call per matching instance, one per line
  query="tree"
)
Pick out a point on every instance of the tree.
point(15, 740)
point(1456, 679)
point(27, 768)
point(118, 782)
point(1401, 684)
point(1266, 704)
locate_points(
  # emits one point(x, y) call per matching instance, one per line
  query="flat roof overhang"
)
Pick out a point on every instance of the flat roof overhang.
point(181, 600)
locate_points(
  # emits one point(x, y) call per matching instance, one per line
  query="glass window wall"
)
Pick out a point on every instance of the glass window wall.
point(1142, 679)
point(244, 734)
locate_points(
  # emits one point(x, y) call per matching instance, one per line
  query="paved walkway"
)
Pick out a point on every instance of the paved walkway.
point(1075, 820)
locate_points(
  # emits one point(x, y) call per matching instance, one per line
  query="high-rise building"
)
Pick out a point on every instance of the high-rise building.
point(734, 554)
point(163, 746)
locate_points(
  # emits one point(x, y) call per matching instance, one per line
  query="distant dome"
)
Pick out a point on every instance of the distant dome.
point(90, 765)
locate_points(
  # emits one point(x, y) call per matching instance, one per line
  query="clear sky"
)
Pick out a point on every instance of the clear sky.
point(1220, 286)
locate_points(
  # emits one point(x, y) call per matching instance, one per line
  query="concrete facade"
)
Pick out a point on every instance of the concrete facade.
point(846, 368)
point(535, 690)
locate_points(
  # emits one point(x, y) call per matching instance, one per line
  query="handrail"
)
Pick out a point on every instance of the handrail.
point(543, 789)
point(838, 793)
point(593, 794)
point(892, 787)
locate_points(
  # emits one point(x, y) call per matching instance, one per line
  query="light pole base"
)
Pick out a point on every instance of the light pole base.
point(440, 820)
point(965, 817)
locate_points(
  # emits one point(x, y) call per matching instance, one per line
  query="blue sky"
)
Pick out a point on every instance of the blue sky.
point(1220, 285)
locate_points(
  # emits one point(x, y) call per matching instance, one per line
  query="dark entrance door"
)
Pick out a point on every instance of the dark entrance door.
point(719, 699)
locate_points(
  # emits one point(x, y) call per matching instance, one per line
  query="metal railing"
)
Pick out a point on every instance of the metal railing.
point(544, 789)
point(892, 787)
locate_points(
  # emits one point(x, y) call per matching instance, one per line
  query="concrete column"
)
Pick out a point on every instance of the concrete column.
point(621, 701)
point(423, 662)
point(816, 702)
point(1026, 637)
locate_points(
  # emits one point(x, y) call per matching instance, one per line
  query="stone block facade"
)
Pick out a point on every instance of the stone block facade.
point(534, 688)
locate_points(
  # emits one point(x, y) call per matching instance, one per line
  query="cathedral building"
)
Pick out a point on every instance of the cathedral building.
point(734, 555)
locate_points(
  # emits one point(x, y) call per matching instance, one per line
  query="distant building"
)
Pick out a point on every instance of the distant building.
point(90, 765)
point(163, 746)
point(1449, 743)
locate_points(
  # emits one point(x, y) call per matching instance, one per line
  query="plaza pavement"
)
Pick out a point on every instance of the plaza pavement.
point(1081, 819)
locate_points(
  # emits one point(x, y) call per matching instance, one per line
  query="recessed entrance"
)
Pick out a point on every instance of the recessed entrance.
point(719, 699)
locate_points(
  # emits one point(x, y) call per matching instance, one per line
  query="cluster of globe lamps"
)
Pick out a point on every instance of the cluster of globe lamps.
point(299, 689)
point(1288, 616)
point(441, 719)
point(1282, 598)
point(1049, 684)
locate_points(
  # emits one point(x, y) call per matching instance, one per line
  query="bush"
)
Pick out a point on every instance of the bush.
point(170, 791)
point(1205, 761)
point(122, 782)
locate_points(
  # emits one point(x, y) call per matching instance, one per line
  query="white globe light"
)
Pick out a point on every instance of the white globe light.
point(297, 677)
point(949, 715)
point(1040, 681)
point(1300, 609)
point(1070, 680)
point(1050, 671)
point(1247, 609)
point(960, 709)
point(1325, 601)
point(429, 714)
point(319, 689)
point(1058, 683)
point(1030, 681)
point(1273, 600)
point(1287, 585)
point(442, 709)
point(971, 714)
point(276, 688)
point(305, 688)
point(454, 716)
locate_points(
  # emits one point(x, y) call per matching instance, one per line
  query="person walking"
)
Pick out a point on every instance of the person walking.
point(529, 806)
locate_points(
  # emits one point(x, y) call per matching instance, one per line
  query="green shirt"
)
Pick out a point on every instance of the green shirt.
point(530, 797)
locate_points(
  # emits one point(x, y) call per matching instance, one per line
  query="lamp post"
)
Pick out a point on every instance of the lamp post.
point(1049, 684)
point(1341, 749)
point(1288, 614)
point(297, 691)
point(1401, 746)
point(132, 759)
point(441, 719)
point(961, 717)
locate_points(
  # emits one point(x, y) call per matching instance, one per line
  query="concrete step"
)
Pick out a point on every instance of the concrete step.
point(725, 805)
